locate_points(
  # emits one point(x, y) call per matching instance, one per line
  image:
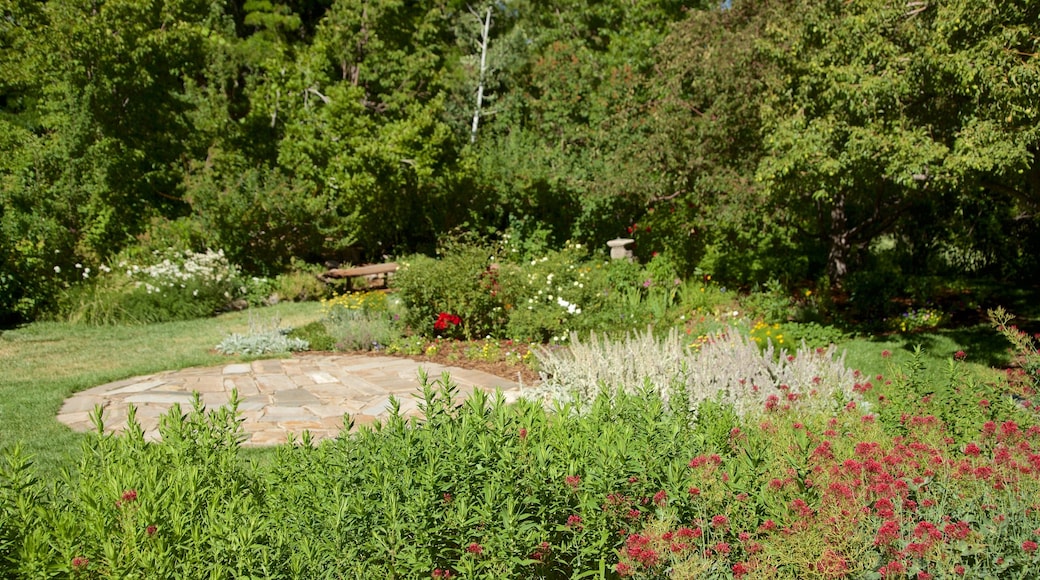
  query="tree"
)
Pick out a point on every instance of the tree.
point(851, 116)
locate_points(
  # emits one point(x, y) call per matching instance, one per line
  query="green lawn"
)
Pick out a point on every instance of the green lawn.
point(43, 363)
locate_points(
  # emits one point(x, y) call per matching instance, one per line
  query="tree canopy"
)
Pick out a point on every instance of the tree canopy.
point(791, 139)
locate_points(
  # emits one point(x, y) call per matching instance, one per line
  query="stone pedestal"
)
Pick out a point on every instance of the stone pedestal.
point(618, 250)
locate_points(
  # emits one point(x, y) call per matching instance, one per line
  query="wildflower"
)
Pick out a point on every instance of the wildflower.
point(574, 521)
point(622, 568)
point(79, 562)
point(541, 552)
point(475, 549)
point(150, 530)
point(57, 269)
point(661, 498)
point(959, 570)
point(1029, 546)
point(128, 496)
point(573, 480)
point(887, 533)
point(719, 521)
point(523, 433)
point(438, 573)
point(960, 355)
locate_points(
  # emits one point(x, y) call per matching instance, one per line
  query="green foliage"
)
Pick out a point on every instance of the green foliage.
point(265, 219)
point(771, 303)
point(461, 282)
point(315, 335)
point(263, 339)
point(1025, 355)
point(301, 283)
point(483, 489)
point(363, 331)
point(555, 294)
point(170, 285)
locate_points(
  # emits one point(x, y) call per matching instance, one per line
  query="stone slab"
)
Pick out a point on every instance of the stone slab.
point(137, 387)
point(237, 369)
point(160, 397)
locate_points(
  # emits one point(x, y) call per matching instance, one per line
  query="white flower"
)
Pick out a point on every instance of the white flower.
point(79, 265)
point(57, 269)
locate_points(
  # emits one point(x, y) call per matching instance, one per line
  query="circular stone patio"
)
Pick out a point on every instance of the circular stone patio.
point(278, 397)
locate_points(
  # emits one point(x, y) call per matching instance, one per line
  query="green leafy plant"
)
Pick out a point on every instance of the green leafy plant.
point(262, 339)
point(315, 334)
point(462, 282)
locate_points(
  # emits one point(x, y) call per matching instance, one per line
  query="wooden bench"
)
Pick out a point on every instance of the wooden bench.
point(375, 274)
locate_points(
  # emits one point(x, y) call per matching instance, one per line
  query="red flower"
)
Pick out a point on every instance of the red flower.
point(887, 533)
point(719, 521)
point(573, 480)
point(661, 498)
point(523, 433)
point(1029, 546)
point(438, 573)
point(150, 530)
point(128, 496)
point(79, 562)
point(623, 569)
point(960, 355)
point(740, 569)
point(444, 319)
point(574, 521)
point(475, 548)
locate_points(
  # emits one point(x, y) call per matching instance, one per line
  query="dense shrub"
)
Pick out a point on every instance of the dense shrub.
point(461, 283)
point(170, 285)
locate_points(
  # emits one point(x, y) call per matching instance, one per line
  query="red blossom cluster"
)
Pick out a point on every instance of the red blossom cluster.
point(446, 320)
point(897, 490)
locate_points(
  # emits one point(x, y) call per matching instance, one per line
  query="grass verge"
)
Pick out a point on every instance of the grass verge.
point(43, 363)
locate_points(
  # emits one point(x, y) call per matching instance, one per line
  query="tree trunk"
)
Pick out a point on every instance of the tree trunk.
point(480, 79)
point(838, 256)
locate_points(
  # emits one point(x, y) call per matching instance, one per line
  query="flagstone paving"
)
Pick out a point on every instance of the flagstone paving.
point(278, 397)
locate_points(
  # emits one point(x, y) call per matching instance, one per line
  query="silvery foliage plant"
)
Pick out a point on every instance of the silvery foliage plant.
point(729, 368)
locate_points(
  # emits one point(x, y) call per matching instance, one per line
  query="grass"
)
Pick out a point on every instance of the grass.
point(43, 363)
